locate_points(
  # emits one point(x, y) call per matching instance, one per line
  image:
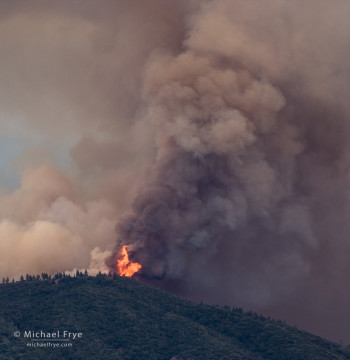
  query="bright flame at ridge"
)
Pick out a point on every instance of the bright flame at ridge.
point(125, 267)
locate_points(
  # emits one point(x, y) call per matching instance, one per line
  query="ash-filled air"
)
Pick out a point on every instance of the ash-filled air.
point(213, 135)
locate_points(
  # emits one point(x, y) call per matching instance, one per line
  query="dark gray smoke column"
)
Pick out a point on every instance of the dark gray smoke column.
point(247, 200)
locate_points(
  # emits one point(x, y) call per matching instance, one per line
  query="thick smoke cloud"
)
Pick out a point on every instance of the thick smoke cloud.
point(246, 201)
point(70, 78)
point(212, 133)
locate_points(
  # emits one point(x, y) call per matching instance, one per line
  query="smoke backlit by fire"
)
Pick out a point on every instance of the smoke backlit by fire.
point(124, 266)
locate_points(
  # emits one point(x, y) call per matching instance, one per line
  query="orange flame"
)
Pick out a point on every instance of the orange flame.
point(125, 267)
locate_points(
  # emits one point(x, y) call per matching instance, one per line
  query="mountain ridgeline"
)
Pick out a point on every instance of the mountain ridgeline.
point(112, 317)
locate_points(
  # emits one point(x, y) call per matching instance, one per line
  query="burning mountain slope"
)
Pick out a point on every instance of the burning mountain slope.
point(215, 133)
point(123, 319)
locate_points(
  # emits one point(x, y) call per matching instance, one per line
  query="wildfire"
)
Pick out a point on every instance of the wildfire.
point(125, 267)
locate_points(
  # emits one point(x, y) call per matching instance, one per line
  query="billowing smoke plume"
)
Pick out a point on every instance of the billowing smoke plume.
point(70, 78)
point(213, 133)
point(247, 199)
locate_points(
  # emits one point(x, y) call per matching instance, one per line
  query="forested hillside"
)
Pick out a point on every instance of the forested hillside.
point(121, 318)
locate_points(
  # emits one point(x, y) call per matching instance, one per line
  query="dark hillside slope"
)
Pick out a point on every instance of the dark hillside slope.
point(121, 318)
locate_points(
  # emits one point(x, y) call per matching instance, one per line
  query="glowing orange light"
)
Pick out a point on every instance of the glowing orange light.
point(125, 267)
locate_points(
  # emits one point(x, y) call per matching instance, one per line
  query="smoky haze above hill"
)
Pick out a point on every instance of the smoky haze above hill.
point(212, 134)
